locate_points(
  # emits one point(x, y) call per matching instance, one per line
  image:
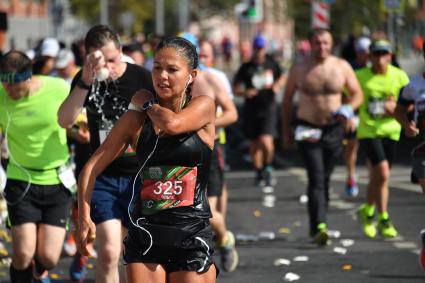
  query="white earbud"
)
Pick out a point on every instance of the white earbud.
point(188, 82)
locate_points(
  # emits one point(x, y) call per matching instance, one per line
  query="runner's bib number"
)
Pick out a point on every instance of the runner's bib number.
point(376, 107)
point(263, 79)
point(306, 133)
point(166, 187)
point(105, 127)
point(67, 177)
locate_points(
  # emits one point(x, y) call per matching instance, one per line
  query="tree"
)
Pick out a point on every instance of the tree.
point(144, 12)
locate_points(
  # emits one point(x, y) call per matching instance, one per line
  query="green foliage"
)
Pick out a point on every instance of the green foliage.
point(144, 12)
point(88, 10)
point(207, 8)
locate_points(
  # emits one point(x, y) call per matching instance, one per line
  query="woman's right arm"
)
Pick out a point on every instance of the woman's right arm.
point(124, 132)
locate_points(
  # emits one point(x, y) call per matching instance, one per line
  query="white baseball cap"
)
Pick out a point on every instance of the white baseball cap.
point(50, 47)
point(362, 44)
point(30, 53)
point(65, 56)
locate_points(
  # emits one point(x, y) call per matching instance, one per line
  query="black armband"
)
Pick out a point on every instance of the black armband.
point(82, 85)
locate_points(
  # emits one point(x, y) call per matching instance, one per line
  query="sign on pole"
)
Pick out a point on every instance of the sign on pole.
point(320, 14)
point(392, 5)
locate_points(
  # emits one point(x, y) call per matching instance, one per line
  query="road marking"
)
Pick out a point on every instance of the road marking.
point(405, 245)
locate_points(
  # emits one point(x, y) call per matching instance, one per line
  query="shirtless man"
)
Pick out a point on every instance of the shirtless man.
point(225, 239)
point(319, 80)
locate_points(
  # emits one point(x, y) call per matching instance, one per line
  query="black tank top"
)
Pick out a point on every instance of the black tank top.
point(180, 150)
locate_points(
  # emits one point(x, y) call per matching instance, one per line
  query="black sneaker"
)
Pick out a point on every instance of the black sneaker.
point(229, 255)
point(259, 179)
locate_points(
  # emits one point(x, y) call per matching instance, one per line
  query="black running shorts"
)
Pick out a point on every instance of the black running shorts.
point(216, 175)
point(378, 150)
point(184, 248)
point(47, 204)
point(260, 121)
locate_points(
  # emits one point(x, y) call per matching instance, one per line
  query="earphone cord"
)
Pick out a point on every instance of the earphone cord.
point(21, 197)
point(136, 224)
point(183, 99)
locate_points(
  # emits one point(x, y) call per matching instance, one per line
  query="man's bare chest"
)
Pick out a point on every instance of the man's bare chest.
point(321, 81)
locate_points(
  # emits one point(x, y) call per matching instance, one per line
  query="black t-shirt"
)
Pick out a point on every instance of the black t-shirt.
point(106, 104)
point(253, 75)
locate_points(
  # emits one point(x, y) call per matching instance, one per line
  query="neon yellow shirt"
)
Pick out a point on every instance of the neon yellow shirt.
point(35, 139)
point(376, 89)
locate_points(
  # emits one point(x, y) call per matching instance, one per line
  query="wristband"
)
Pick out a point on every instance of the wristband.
point(82, 85)
point(345, 111)
point(145, 107)
point(131, 106)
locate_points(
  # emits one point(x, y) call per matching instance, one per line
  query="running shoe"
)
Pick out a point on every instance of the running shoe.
point(413, 178)
point(422, 252)
point(351, 188)
point(78, 269)
point(92, 251)
point(368, 225)
point(321, 237)
point(259, 179)
point(70, 247)
point(43, 278)
point(268, 176)
point(229, 255)
point(386, 228)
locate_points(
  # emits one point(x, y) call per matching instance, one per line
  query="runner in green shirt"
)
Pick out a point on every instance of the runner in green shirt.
point(38, 181)
point(379, 133)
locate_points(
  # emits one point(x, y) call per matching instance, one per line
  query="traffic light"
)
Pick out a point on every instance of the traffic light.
point(253, 10)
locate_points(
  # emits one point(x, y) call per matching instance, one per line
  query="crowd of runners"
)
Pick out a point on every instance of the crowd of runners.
point(117, 151)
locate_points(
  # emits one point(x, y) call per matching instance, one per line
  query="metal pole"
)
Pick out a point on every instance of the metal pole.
point(183, 14)
point(104, 12)
point(390, 26)
point(159, 17)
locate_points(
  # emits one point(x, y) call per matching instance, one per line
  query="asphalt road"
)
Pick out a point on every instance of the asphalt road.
point(272, 228)
point(272, 233)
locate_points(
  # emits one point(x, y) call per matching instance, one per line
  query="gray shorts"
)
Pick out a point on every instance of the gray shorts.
point(418, 166)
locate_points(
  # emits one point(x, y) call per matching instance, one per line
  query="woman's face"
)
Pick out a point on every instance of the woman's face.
point(170, 73)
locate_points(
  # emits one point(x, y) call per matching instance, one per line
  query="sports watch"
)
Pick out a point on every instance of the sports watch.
point(147, 105)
